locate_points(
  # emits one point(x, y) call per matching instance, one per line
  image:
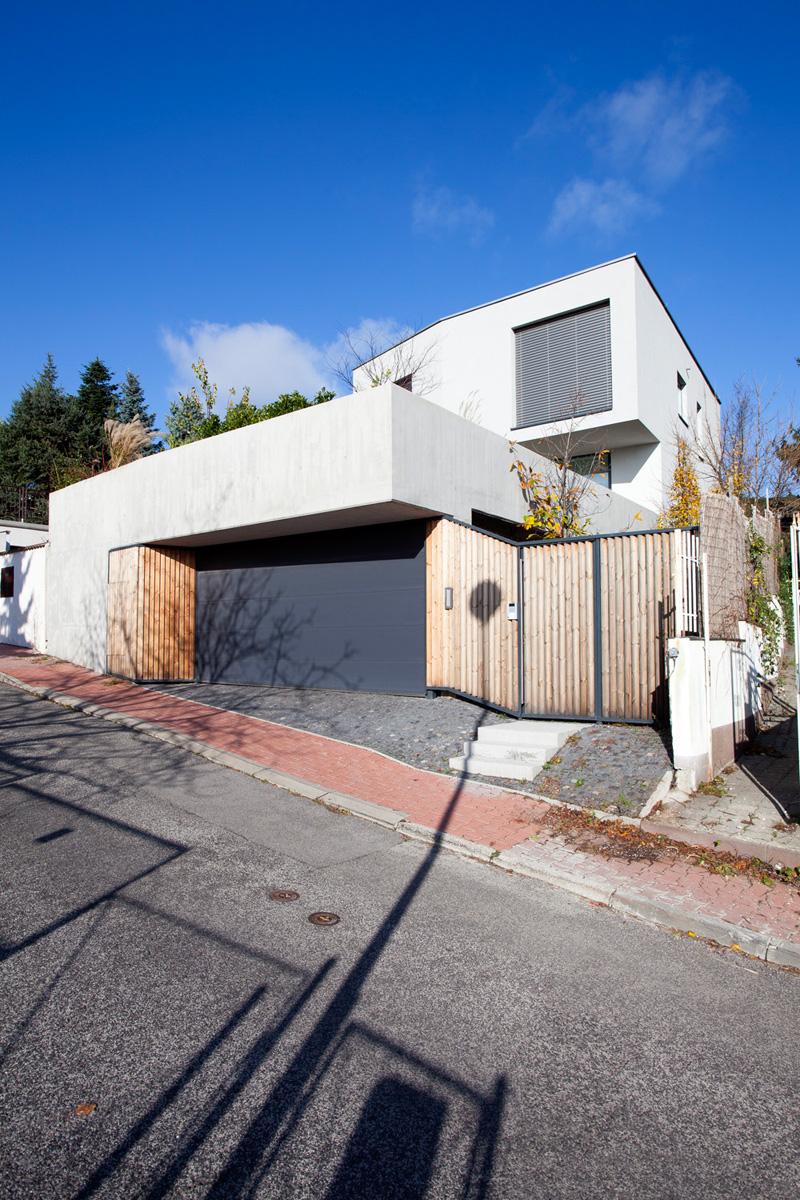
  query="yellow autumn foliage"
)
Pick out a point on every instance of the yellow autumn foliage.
point(684, 492)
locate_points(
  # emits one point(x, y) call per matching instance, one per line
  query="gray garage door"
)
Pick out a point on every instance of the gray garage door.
point(341, 609)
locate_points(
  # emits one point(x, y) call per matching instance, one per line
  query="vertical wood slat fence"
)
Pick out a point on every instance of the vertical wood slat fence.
point(472, 647)
point(151, 613)
point(592, 618)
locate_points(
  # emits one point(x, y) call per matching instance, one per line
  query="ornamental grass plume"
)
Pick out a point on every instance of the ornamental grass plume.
point(127, 441)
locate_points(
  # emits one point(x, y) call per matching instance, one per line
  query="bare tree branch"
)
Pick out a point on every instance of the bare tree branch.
point(748, 457)
point(390, 354)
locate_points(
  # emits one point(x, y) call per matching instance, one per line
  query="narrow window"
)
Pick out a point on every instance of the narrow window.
point(682, 404)
point(6, 583)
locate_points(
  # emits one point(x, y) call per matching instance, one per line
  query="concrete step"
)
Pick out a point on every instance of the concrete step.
point(505, 752)
point(546, 735)
point(496, 768)
point(513, 749)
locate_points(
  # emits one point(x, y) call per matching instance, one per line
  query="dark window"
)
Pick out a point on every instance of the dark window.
point(564, 367)
point(6, 583)
point(598, 466)
point(499, 525)
point(405, 382)
point(682, 413)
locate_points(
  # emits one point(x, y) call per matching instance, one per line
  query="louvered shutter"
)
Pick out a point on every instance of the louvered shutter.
point(564, 367)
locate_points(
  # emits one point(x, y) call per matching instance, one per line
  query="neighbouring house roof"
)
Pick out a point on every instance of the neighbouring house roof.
point(21, 549)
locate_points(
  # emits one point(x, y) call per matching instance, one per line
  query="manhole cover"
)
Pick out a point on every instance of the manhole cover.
point(283, 894)
point(324, 919)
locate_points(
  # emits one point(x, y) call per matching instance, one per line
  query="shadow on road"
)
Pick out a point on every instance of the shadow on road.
point(394, 1145)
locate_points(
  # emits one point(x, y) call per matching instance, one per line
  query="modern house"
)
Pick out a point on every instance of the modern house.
point(592, 367)
point(288, 552)
point(309, 550)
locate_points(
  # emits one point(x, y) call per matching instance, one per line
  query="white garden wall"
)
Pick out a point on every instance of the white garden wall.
point(22, 616)
point(701, 749)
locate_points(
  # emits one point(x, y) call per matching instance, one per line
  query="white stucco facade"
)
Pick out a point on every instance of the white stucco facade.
point(469, 360)
point(23, 614)
point(378, 456)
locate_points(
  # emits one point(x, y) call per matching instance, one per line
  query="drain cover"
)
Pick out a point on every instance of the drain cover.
point(284, 894)
point(324, 919)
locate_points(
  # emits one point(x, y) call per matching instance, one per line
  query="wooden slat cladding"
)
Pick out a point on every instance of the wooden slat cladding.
point(637, 614)
point(472, 647)
point(558, 629)
point(151, 613)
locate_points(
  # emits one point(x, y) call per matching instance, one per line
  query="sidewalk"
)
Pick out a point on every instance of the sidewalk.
point(756, 803)
point(506, 827)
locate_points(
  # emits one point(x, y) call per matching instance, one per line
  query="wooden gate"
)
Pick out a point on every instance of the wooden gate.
point(472, 646)
point(584, 636)
point(151, 613)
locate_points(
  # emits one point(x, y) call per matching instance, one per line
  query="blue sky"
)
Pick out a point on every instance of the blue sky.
point(247, 180)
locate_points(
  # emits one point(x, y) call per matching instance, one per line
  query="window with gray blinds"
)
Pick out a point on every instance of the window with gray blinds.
point(564, 367)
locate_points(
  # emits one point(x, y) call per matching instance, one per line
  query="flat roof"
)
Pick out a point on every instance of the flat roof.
point(537, 287)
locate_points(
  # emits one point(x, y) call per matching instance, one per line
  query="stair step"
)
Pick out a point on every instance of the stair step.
point(548, 735)
point(496, 768)
point(506, 753)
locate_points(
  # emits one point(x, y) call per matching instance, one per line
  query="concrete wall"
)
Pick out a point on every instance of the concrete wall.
point(382, 455)
point(23, 616)
point(735, 704)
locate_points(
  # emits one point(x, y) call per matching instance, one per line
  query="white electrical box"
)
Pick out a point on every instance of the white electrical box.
point(511, 610)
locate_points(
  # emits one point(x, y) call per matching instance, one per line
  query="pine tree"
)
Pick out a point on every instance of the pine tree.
point(184, 419)
point(44, 429)
point(98, 397)
point(132, 404)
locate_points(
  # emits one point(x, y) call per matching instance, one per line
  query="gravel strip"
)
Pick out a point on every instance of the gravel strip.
point(611, 767)
point(421, 732)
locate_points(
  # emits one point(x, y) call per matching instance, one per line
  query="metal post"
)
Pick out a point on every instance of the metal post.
point(597, 631)
point(794, 534)
point(707, 648)
point(521, 630)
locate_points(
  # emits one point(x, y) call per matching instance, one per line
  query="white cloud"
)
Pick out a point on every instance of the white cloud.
point(662, 126)
point(443, 212)
point(643, 137)
point(554, 118)
point(608, 207)
point(370, 337)
point(268, 358)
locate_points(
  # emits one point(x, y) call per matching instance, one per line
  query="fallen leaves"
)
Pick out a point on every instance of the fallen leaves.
point(619, 839)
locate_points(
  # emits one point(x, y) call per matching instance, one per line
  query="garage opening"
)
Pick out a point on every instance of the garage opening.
point(336, 609)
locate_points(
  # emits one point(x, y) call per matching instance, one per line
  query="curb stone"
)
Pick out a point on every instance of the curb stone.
point(743, 847)
point(627, 903)
point(660, 793)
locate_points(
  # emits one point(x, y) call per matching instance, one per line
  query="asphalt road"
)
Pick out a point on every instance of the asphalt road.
point(459, 1033)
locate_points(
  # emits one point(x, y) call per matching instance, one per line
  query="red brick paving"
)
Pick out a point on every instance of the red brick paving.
point(482, 814)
